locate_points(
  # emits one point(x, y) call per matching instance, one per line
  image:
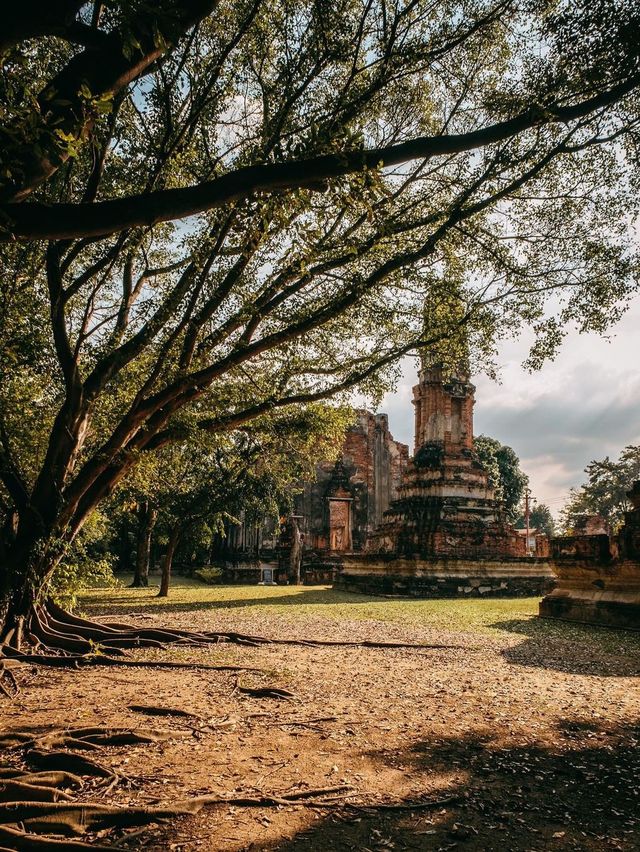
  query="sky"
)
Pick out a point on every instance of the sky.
point(584, 405)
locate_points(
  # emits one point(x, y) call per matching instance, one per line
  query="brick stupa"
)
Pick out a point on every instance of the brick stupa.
point(445, 534)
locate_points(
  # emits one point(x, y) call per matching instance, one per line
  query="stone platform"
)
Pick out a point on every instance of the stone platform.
point(597, 581)
point(444, 578)
point(598, 574)
point(592, 595)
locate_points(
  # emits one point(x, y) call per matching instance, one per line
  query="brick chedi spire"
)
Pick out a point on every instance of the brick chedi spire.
point(443, 410)
point(446, 507)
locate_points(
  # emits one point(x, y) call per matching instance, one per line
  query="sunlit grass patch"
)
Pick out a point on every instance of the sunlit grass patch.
point(498, 617)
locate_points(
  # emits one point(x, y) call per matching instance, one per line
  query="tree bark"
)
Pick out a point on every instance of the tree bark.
point(295, 554)
point(167, 561)
point(125, 560)
point(27, 565)
point(147, 515)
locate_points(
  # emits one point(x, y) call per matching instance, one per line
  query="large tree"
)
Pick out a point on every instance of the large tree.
point(226, 208)
point(505, 475)
point(605, 491)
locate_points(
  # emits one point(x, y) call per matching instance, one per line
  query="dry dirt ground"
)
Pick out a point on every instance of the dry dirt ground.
point(511, 734)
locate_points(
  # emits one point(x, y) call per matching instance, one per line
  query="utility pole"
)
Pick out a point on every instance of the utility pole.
point(527, 495)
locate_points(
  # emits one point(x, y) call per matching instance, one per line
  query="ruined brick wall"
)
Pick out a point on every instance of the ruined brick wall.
point(629, 538)
point(598, 575)
point(542, 549)
point(366, 475)
point(431, 527)
point(594, 549)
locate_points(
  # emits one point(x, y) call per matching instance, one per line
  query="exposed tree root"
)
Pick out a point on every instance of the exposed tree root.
point(153, 710)
point(21, 840)
point(72, 818)
point(33, 807)
point(65, 761)
point(265, 692)
point(57, 622)
point(69, 818)
point(419, 805)
point(83, 739)
point(77, 661)
point(12, 790)
point(311, 793)
point(45, 779)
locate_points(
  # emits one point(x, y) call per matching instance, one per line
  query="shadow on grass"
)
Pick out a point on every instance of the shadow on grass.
point(561, 645)
point(581, 793)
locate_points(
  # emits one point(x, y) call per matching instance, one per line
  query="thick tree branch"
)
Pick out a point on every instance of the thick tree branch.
point(36, 18)
point(36, 220)
point(101, 70)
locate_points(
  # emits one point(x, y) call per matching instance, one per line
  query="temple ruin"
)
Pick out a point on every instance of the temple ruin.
point(598, 574)
point(375, 520)
point(342, 507)
point(444, 534)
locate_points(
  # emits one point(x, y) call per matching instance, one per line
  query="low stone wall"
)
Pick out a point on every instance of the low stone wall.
point(595, 585)
point(445, 578)
point(319, 574)
point(242, 574)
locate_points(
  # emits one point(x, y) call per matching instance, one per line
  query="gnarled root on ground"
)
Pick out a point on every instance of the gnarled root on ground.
point(38, 810)
point(55, 630)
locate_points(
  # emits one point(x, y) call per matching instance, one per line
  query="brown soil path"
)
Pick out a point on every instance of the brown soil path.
point(536, 746)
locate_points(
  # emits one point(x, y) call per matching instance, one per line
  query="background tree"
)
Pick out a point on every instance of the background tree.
point(505, 474)
point(540, 518)
point(88, 560)
point(200, 484)
point(147, 515)
point(340, 164)
point(604, 492)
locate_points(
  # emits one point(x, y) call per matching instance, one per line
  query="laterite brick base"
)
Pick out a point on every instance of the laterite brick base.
point(445, 578)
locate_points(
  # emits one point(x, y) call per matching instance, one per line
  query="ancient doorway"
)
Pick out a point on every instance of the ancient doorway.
point(339, 524)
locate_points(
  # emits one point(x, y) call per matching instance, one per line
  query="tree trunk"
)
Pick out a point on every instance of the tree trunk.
point(295, 554)
point(27, 564)
point(146, 521)
point(167, 560)
point(125, 554)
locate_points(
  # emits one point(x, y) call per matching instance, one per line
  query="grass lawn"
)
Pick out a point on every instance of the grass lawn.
point(504, 617)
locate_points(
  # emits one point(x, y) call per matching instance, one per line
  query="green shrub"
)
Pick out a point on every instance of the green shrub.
point(209, 574)
point(86, 563)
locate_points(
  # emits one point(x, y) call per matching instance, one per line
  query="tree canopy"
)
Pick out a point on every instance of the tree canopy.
point(505, 475)
point(214, 211)
point(540, 518)
point(605, 491)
